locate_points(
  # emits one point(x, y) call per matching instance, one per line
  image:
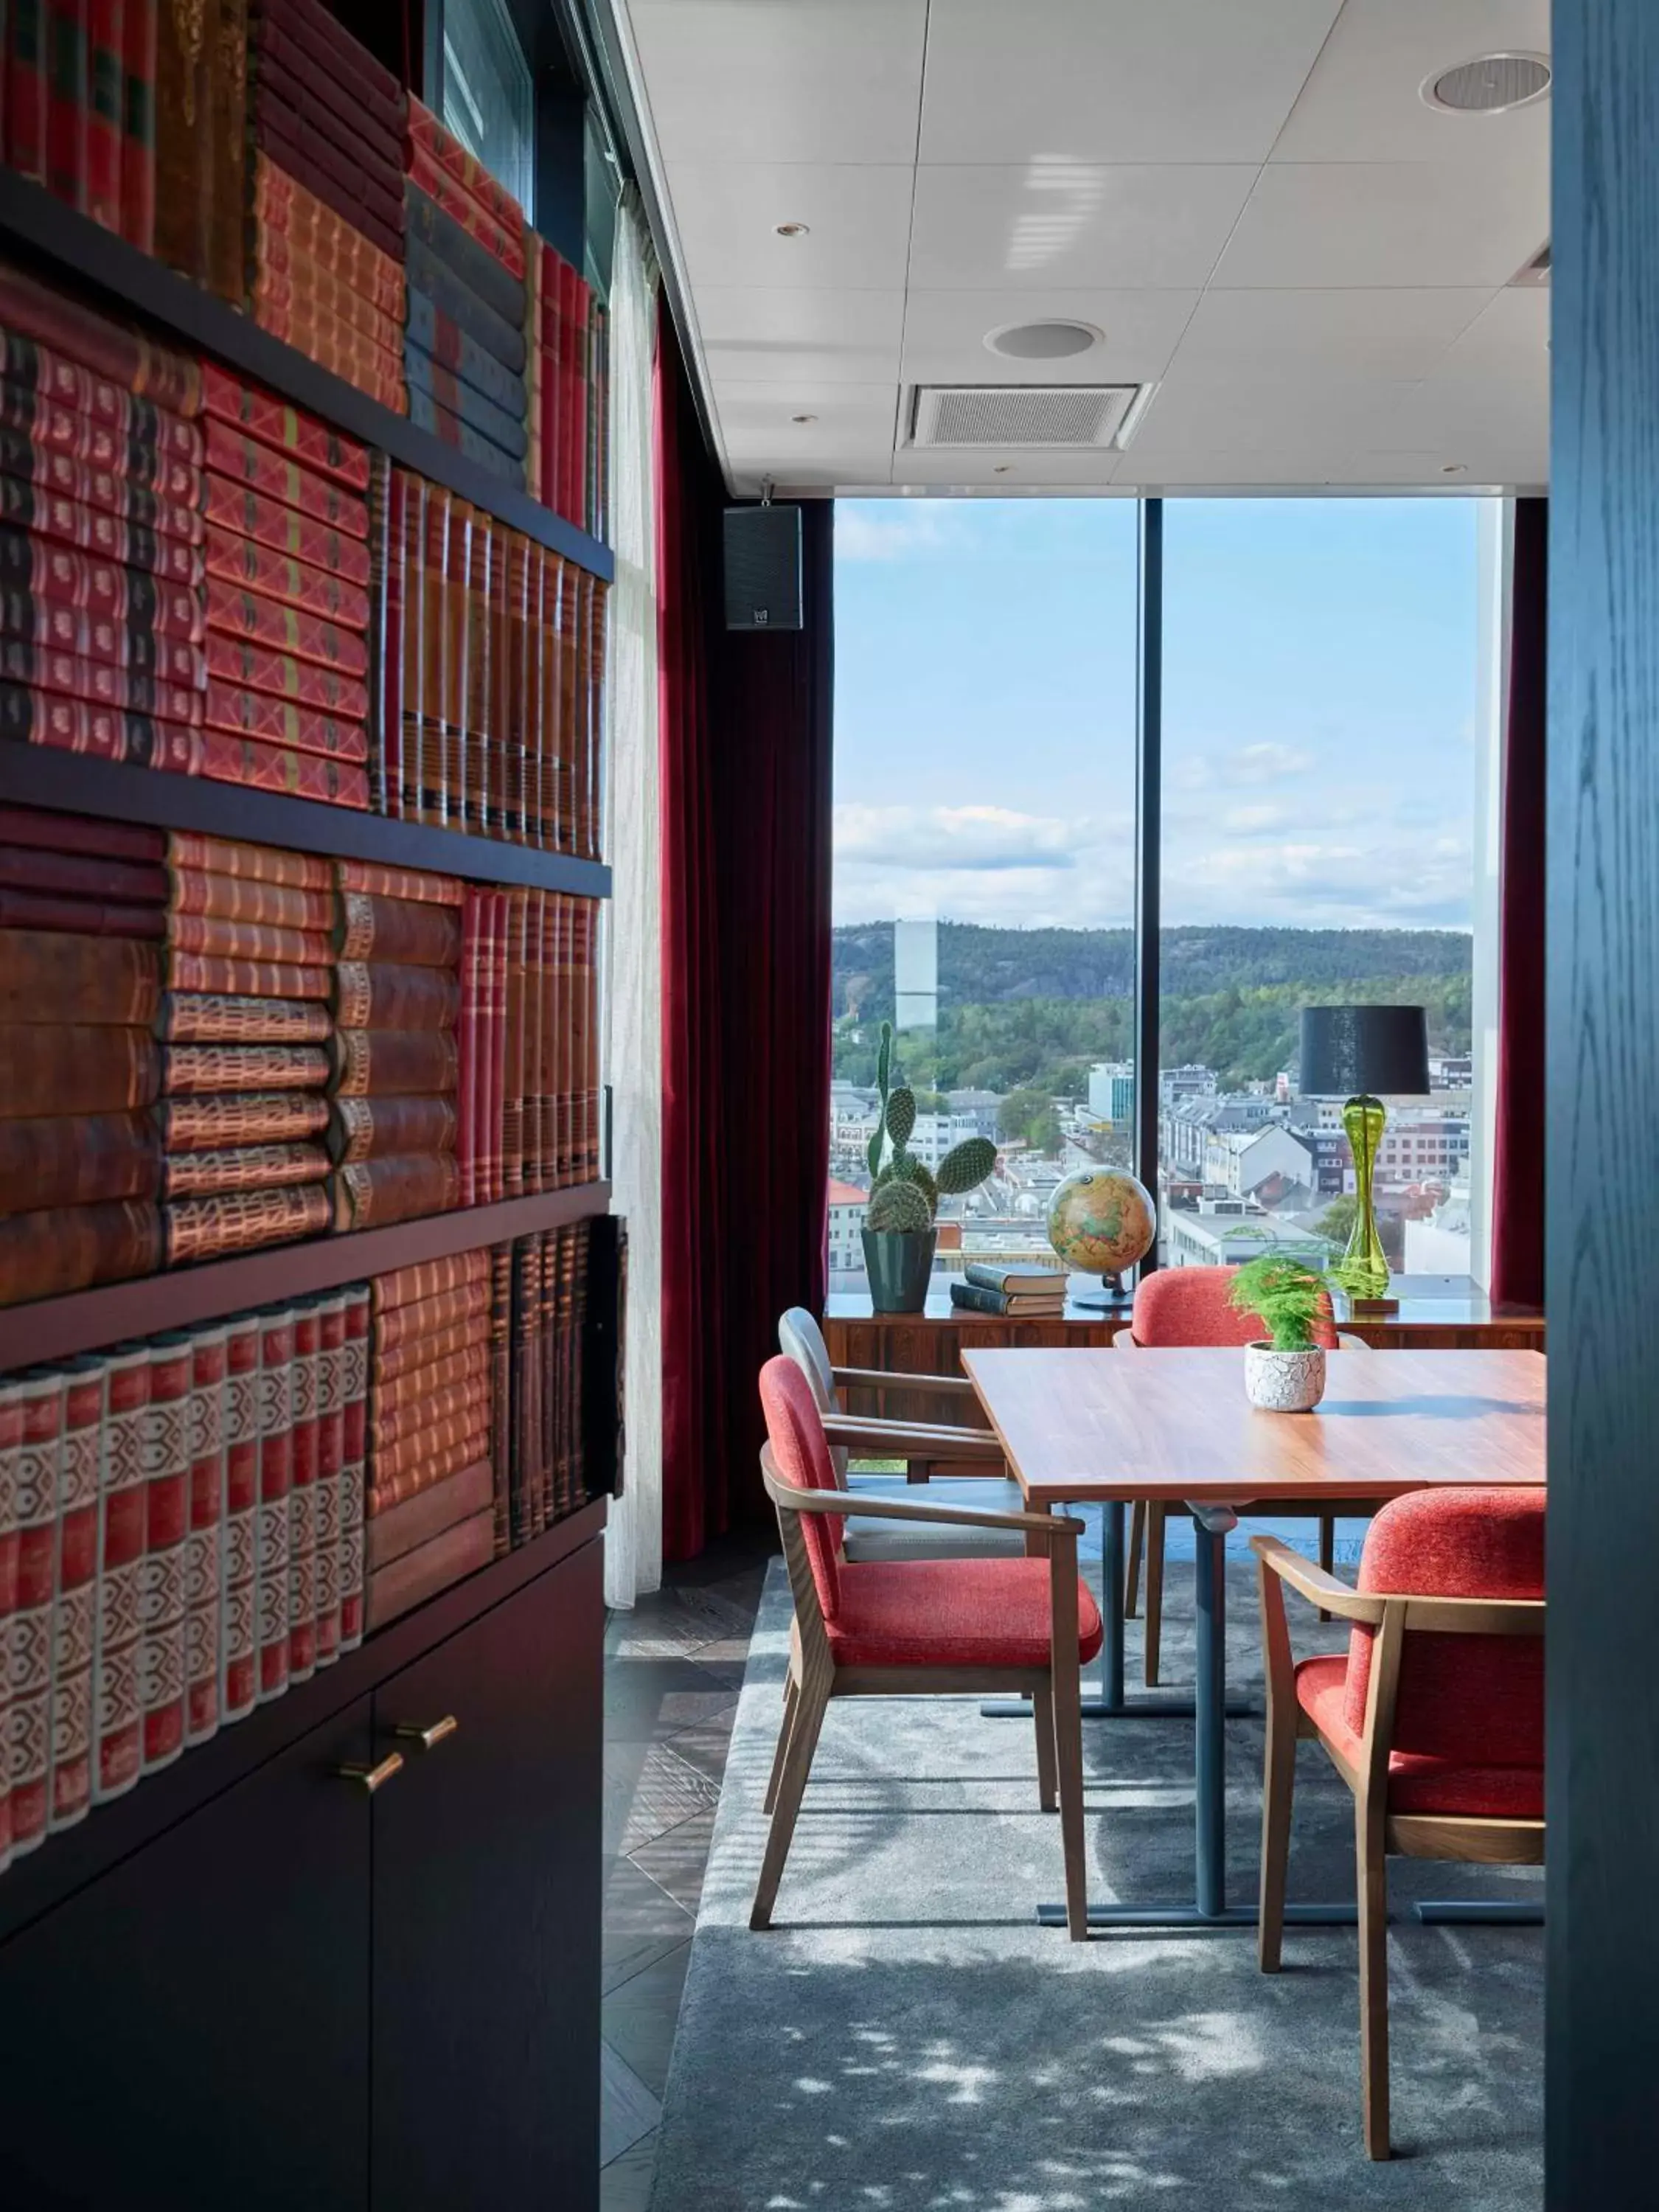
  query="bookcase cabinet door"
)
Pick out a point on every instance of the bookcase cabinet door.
point(192, 2028)
point(487, 1910)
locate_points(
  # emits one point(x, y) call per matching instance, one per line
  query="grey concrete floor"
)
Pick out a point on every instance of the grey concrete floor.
point(673, 1666)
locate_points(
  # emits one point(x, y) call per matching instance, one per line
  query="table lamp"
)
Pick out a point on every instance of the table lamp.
point(1357, 1052)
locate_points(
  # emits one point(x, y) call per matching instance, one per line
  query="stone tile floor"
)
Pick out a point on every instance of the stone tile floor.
point(673, 1666)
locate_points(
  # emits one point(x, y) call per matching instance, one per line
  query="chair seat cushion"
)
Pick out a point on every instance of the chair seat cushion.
point(865, 1538)
point(1420, 1781)
point(952, 1613)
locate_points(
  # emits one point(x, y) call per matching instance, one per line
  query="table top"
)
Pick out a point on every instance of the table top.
point(1425, 1302)
point(1085, 1424)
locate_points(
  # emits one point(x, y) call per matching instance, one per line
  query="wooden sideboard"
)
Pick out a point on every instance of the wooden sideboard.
point(1436, 1313)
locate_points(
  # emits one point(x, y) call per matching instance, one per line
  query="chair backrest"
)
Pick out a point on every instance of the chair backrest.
point(801, 1339)
point(1476, 1700)
point(801, 1453)
point(1192, 1306)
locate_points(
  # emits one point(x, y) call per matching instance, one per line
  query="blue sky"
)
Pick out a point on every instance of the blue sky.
point(1319, 711)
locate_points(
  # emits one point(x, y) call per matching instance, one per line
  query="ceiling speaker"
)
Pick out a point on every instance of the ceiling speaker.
point(762, 568)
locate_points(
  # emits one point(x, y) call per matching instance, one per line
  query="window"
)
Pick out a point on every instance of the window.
point(984, 848)
point(489, 98)
point(1318, 845)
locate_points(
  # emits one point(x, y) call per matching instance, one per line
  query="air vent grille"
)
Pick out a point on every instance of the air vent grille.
point(1022, 415)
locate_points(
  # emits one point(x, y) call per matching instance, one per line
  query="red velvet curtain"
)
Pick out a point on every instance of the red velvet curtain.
point(745, 798)
point(1517, 1258)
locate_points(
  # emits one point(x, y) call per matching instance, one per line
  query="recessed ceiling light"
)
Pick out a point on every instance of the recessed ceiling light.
point(1492, 84)
point(802, 418)
point(1002, 468)
point(792, 230)
point(1454, 468)
point(1045, 341)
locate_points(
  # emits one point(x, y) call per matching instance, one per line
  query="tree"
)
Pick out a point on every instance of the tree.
point(1337, 1221)
point(1043, 1132)
point(1019, 1109)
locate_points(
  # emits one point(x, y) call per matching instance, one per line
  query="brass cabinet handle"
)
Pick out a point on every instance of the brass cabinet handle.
point(427, 1738)
point(371, 1778)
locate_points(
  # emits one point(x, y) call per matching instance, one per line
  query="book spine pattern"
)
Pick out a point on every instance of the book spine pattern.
point(272, 1543)
point(119, 1724)
point(238, 1681)
point(262, 1117)
point(331, 1468)
point(11, 1444)
point(241, 1221)
point(165, 1441)
point(354, 1483)
point(247, 1167)
point(222, 1018)
point(302, 1495)
point(204, 1595)
point(39, 1447)
point(75, 1594)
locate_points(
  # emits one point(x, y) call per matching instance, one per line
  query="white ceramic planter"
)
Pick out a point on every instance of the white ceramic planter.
point(1284, 1381)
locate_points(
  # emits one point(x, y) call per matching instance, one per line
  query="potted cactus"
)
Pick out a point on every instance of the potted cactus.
point(904, 1195)
point(1285, 1370)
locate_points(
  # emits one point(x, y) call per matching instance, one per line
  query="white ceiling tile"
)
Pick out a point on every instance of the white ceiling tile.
point(1364, 103)
point(758, 428)
point(1049, 222)
point(753, 335)
point(873, 474)
point(858, 224)
point(1388, 335)
point(1005, 471)
point(1198, 469)
point(1497, 467)
point(1251, 414)
point(1489, 395)
point(1390, 222)
point(810, 80)
point(945, 335)
point(1115, 80)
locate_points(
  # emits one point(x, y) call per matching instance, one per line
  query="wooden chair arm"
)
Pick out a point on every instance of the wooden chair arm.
point(879, 1379)
point(1347, 1341)
point(1059, 1525)
point(1476, 1616)
point(1314, 1584)
point(910, 1439)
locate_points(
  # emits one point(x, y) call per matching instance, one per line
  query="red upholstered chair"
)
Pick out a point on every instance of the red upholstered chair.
point(904, 1627)
point(1435, 1718)
point(1188, 1306)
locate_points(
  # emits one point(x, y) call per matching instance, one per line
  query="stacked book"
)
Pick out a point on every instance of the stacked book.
point(82, 912)
point(245, 1058)
point(287, 555)
point(540, 1421)
point(101, 534)
point(78, 114)
point(569, 378)
point(328, 209)
point(398, 1059)
point(464, 348)
point(1019, 1293)
point(431, 1483)
point(183, 1519)
point(201, 127)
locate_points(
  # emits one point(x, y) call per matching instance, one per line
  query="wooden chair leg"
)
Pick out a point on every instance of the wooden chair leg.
point(1155, 1517)
point(1327, 1549)
point(1278, 1788)
point(1042, 1707)
point(812, 1701)
point(1373, 1874)
point(1068, 1760)
point(1131, 1565)
point(790, 1701)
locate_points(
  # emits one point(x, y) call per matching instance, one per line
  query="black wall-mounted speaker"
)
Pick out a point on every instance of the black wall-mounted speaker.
point(762, 568)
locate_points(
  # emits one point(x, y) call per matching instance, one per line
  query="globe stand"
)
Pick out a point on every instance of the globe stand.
point(1111, 1298)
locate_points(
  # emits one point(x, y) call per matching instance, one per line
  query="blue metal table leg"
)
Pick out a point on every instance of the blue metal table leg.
point(1479, 1912)
point(1209, 1755)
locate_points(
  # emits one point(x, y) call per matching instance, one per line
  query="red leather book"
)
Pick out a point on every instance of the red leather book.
point(399, 1470)
point(265, 1117)
point(411, 1360)
point(247, 1167)
point(298, 115)
point(27, 88)
point(372, 364)
point(72, 1159)
point(168, 507)
point(200, 1068)
point(504, 242)
point(309, 26)
point(129, 599)
point(290, 221)
point(387, 503)
point(292, 288)
point(88, 875)
point(501, 1393)
point(422, 1572)
point(381, 880)
point(458, 1357)
point(426, 133)
point(371, 1193)
point(74, 726)
point(289, 66)
point(302, 1494)
point(165, 1440)
point(44, 911)
point(227, 937)
point(11, 1441)
point(75, 1595)
point(385, 994)
point(378, 1128)
point(576, 451)
point(375, 1063)
point(520, 1360)
point(399, 1529)
point(239, 559)
point(326, 174)
point(40, 311)
point(139, 31)
point(94, 525)
point(72, 1067)
point(228, 758)
point(241, 1221)
point(425, 1278)
point(474, 982)
point(248, 897)
point(284, 700)
point(59, 1248)
point(264, 979)
point(242, 459)
point(535, 1008)
point(233, 507)
point(405, 1336)
point(251, 616)
point(455, 1409)
point(117, 1698)
point(238, 1678)
point(105, 91)
point(66, 101)
point(188, 851)
point(79, 833)
point(272, 1546)
point(50, 628)
point(39, 1424)
point(53, 976)
point(405, 932)
point(205, 1017)
point(125, 689)
point(203, 1544)
point(553, 1041)
point(331, 1463)
point(354, 1481)
point(512, 1047)
point(295, 434)
point(498, 975)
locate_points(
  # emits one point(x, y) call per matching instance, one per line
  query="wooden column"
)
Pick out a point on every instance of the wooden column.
point(1602, 1213)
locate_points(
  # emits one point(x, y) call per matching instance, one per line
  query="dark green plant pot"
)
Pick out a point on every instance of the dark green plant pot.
point(899, 1268)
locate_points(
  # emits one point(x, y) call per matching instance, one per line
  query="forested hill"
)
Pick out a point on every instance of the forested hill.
point(1035, 1006)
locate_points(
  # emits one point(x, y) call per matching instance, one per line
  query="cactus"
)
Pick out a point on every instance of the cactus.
point(905, 1167)
point(901, 1117)
point(966, 1165)
point(900, 1208)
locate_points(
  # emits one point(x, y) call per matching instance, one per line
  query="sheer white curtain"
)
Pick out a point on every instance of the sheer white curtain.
point(633, 1548)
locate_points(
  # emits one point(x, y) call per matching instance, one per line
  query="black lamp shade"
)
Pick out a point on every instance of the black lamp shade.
point(1349, 1051)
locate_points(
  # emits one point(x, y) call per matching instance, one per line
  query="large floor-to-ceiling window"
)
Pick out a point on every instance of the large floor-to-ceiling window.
point(1319, 838)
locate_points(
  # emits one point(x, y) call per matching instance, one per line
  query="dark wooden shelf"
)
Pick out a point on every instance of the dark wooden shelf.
point(85, 1321)
point(74, 783)
point(73, 246)
point(66, 1862)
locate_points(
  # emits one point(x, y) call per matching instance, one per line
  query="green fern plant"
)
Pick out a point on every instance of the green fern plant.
point(1289, 1299)
point(964, 1167)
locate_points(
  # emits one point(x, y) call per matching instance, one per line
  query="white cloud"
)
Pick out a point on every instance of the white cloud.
point(1255, 821)
point(1264, 764)
point(977, 837)
point(888, 530)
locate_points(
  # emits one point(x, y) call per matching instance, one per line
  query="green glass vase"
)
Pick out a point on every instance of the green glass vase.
point(1362, 1270)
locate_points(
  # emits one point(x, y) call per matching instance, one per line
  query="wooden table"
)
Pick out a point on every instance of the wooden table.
point(1089, 1427)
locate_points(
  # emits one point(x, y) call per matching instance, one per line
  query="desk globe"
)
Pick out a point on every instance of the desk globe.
point(1102, 1221)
